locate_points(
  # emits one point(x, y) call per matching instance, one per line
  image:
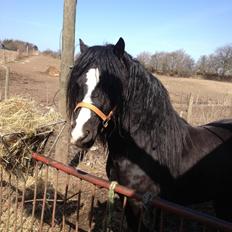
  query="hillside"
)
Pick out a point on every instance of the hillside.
point(37, 77)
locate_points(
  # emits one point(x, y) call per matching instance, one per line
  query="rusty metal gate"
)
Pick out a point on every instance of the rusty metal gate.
point(61, 198)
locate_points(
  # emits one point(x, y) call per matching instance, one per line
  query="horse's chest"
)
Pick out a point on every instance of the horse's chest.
point(130, 175)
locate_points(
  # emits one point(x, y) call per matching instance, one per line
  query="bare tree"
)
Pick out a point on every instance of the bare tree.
point(172, 63)
point(217, 65)
point(158, 62)
point(184, 63)
point(224, 59)
point(145, 59)
point(201, 65)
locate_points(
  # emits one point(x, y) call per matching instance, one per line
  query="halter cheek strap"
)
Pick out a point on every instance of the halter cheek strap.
point(105, 118)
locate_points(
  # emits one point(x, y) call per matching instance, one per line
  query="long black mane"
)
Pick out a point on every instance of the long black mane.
point(144, 109)
point(149, 117)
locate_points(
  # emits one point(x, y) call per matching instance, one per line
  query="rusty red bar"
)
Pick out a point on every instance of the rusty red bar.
point(85, 176)
point(158, 203)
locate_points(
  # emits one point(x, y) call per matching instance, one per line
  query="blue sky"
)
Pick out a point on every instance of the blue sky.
point(197, 26)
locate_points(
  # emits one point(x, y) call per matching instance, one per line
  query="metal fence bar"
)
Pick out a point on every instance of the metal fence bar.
point(22, 205)
point(44, 200)
point(188, 213)
point(9, 203)
point(65, 202)
point(16, 205)
point(35, 194)
point(78, 205)
point(54, 200)
point(158, 203)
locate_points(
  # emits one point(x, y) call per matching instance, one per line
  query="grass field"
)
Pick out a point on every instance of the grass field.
point(211, 100)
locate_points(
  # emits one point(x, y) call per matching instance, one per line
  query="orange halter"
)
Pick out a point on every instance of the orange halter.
point(105, 118)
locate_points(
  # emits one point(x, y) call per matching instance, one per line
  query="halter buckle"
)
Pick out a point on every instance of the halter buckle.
point(106, 123)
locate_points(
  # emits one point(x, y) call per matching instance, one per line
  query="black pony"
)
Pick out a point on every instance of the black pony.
point(151, 148)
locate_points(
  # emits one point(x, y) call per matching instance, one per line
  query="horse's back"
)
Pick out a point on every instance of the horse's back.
point(224, 124)
point(221, 129)
point(208, 179)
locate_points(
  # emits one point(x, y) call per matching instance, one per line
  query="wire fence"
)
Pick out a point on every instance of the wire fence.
point(62, 198)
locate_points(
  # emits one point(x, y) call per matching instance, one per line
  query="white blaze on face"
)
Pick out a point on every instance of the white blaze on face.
point(84, 115)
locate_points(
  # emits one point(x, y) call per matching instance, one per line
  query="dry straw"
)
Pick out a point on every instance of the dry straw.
point(23, 115)
point(23, 128)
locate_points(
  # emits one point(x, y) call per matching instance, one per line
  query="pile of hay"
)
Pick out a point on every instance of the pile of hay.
point(53, 71)
point(23, 129)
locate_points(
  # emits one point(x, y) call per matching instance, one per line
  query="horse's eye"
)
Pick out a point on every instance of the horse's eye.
point(75, 113)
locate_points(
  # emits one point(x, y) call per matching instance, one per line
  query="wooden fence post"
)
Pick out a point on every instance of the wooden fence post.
point(190, 107)
point(67, 61)
point(7, 82)
point(7, 73)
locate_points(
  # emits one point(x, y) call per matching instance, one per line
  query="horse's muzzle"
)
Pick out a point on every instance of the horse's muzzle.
point(85, 142)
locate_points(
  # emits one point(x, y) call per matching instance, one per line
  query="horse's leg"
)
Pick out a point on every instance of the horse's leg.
point(110, 170)
point(134, 220)
point(131, 219)
point(223, 208)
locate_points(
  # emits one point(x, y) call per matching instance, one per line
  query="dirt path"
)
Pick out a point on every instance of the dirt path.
point(28, 78)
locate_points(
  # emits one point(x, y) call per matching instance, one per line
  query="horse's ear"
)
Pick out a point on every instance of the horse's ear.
point(119, 48)
point(83, 46)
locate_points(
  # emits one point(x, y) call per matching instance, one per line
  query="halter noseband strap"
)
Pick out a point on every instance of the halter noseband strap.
point(105, 118)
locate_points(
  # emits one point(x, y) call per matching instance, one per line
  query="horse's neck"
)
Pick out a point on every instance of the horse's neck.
point(128, 164)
